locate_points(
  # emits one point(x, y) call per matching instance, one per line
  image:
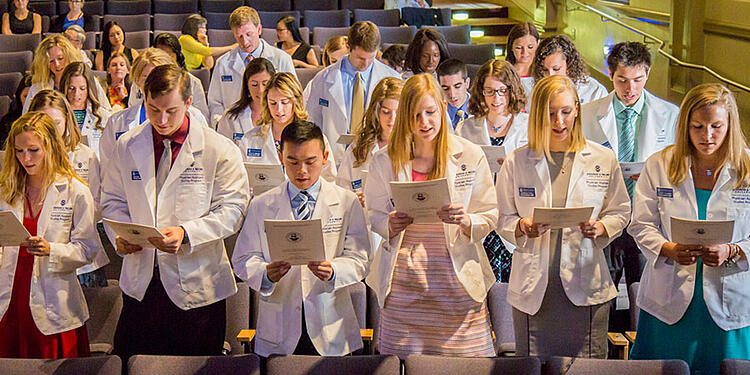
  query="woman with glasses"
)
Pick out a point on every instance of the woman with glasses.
point(496, 102)
point(290, 40)
point(194, 42)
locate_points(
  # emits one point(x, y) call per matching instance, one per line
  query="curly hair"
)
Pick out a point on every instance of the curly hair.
point(504, 72)
point(576, 69)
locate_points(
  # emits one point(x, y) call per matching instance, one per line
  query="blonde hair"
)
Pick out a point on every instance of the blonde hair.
point(40, 72)
point(334, 44)
point(401, 144)
point(290, 87)
point(13, 174)
point(540, 125)
point(153, 56)
point(372, 130)
point(243, 15)
point(732, 150)
point(56, 99)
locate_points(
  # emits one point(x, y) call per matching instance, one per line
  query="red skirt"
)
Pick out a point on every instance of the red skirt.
point(20, 336)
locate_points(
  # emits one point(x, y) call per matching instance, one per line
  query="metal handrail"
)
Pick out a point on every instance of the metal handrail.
point(661, 50)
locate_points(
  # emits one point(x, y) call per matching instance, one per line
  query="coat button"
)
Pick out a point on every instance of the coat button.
point(299, 308)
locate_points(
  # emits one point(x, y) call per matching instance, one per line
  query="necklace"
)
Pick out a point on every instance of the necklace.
point(496, 129)
point(708, 171)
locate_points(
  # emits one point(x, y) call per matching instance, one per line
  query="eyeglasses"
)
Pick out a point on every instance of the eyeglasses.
point(492, 92)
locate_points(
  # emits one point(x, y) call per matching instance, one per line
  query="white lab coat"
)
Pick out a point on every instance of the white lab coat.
point(329, 314)
point(470, 184)
point(588, 90)
point(523, 184)
point(666, 286)
point(206, 193)
point(120, 122)
point(324, 98)
point(235, 128)
point(656, 131)
point(67, 223)
point(475, 130)
point(101, 95)
point(90, 130)
point(226, 79)
point(196, 90)
point(256, 148)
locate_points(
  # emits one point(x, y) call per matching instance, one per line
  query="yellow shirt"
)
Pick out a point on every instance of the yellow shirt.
point(194, 52)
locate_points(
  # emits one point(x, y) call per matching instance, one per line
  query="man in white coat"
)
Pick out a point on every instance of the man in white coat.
point(635, 124)
point(188, 181)
point(226, 80)
point(337, 97)
point(305, 310)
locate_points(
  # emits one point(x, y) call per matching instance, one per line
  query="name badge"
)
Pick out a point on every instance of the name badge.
point(118, 134)
point(607, 145)
point(357, 184)
point(237, 136)
point(254, 152)
point(528, 192)
point(323, 102)
point(226, 78)
point(135, 175)
point(664, 192)
point(662, 136)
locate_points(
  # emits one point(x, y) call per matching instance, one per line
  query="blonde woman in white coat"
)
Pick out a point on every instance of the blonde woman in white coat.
point(497, 99)
point(282, 104)
point(431, 280)
point(562, 272)
point(242, 116)
point(84, 162)
point(695, 300)
point(42, 308)
point(77, 84)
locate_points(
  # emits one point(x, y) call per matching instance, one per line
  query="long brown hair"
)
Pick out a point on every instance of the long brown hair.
point(13, 174)
point(290, 87)
point(372, 130)
point(55, 99)
point(80, 69)
point(504, 72)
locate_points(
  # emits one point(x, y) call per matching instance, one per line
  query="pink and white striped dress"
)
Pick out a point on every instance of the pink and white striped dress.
point(428, 311)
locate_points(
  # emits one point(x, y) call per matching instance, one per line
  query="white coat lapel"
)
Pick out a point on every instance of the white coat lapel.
point(336, 90)
point(326, 200)
point(185, 158)
point(581, 163)
point(272, 154)
point(281, 207)
point(237, 64)
point(144, 164)
point(543, 180)
point(605, 116)
point(50, 201)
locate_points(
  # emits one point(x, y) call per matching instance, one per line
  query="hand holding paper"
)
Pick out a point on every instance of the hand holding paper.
point(296, 242)
point(134, 234)
point(12, 231)
point(701, 232)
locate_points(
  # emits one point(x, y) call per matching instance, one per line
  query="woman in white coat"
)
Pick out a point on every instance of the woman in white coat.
point(77, 84)
point(497, 99)
point(42, 308)
point(560, 273)
point(245, 112)
point(282, 104)
point(695, 300)
point(431, 279)
point(84, 162)
point(557, 55)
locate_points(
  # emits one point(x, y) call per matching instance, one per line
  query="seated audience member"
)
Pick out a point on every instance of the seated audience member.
point(39, 186)
point(74, 16)
point(226, 79)
point(118, 81)
point(16, 107)
point(246, 112)
point(290, 40)
point(169, 43)
point(325, 324)
point(21, 20)
point(77, 84)
point(455, 82)
point(113, 40)
point(523, 40)
point(77, 37)
point(557, 55)
point(398, 4)
point(394, 56)
point(425, 52)
point(195, 46)
point(335, 48)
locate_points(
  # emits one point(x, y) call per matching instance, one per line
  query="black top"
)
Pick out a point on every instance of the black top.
point(25, 26)
point(300, 53)
point(127, 51)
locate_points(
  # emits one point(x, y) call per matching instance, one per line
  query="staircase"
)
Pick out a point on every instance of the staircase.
point(489, 22)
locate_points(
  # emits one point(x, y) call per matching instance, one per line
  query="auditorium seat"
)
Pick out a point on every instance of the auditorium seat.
point(138, 39)
point(735, 367)
point(105, 305)
point(176, 33)
point(501, 317)
point(586, 366)
point(397, 34)
point(19, 42)
point(472, 53)
point(633, 308)
point(317, 365)
point(418, 364)
point(322, 34)
point(238, 316)
point(204, 75)
point(221, 37)
point(128, 7)
point(44, 8)
point(270, 6)
point(8, 83)
point(220, 6)
point(45, 23)
point(327, 18)
point(175, 7)
point(217, 21)
point(171, 21)
point(381, 17)
point(101, 365)
point(302, 5)
point(269, 20)
point(455, 34)
point(362, 4)
point(246, 364)
point(5, 102)
point(133, 22)
point(472, 70)
point(306, 75)
point(15, 61)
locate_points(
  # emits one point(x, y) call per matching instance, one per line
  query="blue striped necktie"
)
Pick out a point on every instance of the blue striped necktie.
point(305, 209)
point(626, 142)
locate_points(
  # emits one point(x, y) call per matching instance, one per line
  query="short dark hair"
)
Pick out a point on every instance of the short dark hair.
point(628, 54)
point(395, 55)
point(452, 66)
point(299, 132)
point(414, 51)
point(170, 40)
point(192, 24)
point(165, 78)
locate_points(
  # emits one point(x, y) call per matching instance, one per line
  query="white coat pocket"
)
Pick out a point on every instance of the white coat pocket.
point(192, 201)
point(270, 321)
point(662, 275)
point(736, 294)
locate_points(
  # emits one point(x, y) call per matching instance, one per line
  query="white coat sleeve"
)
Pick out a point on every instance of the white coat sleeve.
point(229, 199)
point(482, 207)
point(248, 259)
point(351, 266)
point(329, 169)
point(311, 95)
point(199, 99)
point(113, 203)
point(615, 212)
point(215, 99)
point(95, 180)
point(377, 195)
point(84, 239)
point(506, 202)
point(646, 225)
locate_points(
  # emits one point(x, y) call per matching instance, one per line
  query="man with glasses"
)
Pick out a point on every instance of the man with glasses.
point(77, 37)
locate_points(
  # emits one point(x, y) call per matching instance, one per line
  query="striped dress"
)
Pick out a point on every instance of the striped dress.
point(428, 311)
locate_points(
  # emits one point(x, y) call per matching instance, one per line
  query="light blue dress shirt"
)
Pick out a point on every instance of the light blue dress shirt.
point(348, 73)
point(452, 111)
